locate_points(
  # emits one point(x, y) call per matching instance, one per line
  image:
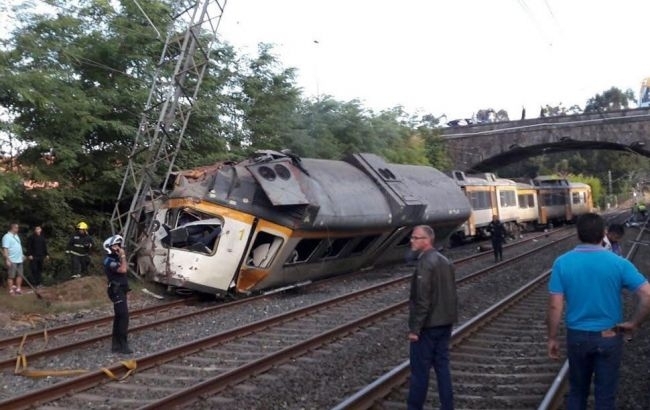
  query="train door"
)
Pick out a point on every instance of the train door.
point(507, 204)
point(542, 199)
point(568, 211)
point(267, 244)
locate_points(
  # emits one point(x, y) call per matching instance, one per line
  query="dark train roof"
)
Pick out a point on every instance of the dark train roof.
point(363, 191)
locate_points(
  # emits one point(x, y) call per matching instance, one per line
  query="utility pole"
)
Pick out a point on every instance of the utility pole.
point(609, 187)
point(173, 95)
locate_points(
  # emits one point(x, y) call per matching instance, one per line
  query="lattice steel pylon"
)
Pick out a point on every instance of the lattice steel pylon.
point(173, 94)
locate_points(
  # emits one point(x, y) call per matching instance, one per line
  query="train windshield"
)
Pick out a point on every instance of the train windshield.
point(194, 231)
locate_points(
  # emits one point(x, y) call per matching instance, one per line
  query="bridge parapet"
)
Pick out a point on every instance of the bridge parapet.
point(484, 147)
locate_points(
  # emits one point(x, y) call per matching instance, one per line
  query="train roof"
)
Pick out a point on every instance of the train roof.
point(487, 179)
point(363, 191)
point(550, 180)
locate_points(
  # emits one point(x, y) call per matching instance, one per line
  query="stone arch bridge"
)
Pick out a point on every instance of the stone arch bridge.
point(484, 147)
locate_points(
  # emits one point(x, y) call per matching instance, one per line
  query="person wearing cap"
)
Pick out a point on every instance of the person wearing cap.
point(79, 247)
point(116, 267)
point(590, 280)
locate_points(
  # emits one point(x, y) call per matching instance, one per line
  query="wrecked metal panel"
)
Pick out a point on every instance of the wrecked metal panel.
point(280, 180)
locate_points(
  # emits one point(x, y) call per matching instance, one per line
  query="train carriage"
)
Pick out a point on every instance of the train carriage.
point(488, 196)
point(581, 201)
point(276, 219)
point(528, 214)
point(561, 201)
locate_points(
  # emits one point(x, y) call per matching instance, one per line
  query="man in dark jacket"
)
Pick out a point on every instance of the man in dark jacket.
point(433, 308)
point(37, 254)
point(498, 236)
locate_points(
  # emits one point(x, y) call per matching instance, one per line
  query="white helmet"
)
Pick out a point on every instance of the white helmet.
point(113, 240)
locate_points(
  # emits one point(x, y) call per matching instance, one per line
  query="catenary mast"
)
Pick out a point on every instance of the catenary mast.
point(173, 95)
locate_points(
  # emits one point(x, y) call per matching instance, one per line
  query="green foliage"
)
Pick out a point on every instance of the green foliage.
point(559, 110)
point(595, 184)
point(74, 85)
point(611, 100)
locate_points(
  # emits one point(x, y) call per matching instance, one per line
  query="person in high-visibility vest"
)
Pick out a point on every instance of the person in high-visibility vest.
point(79, 248)
point(642, 210)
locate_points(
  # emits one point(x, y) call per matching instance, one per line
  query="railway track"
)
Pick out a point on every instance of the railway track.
point(54, 341)
point(554, 397)
point(522, 376)
point(278, 333)
point(498, 359)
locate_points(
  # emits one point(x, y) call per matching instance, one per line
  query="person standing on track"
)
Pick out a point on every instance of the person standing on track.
point(432, 312)
point(116, 267)
point(498, 236)
point(612, 238)
point(590, 279)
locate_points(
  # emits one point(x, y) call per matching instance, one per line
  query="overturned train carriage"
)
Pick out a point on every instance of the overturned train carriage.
point(276, 220)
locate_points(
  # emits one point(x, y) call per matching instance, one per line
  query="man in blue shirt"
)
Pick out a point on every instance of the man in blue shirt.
point(590, 279)
point(12, 251)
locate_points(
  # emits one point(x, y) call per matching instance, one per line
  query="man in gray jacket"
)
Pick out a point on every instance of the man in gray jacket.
point(432, 311)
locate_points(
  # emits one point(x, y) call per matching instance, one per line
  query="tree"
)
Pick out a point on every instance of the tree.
point(490, 115)
point(559, 110)
point(268, 100)
point(611, 100)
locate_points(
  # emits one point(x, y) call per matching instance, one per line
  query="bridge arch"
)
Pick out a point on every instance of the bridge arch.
point(484, 147)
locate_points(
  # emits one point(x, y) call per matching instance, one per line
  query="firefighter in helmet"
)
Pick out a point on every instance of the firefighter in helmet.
point(79, 247)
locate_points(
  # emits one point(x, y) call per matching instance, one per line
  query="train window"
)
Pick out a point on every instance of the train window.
point(264, 249)
point(553, 199)
point(282, 171)
point(406, 240)
point(526, 201)
point(363, 244)
point(195, 232)
point(266, 173)
point(578, 197)
point(303, 250)
point(480, 199)
point(507, 198)
point(335, 247)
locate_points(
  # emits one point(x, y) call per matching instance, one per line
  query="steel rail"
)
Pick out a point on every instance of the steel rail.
point(98, 377)
point(554, 397)
point(219, 383)
point(89, 323)
point(381, 387)
point(92, 379)
point(10, 362)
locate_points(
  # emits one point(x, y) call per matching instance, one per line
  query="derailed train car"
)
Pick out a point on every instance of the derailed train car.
point(276, 219)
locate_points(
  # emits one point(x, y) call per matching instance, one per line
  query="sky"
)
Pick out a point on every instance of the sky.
point(449, 57)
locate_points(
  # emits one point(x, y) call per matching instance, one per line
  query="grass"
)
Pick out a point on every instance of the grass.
point(70, 296)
